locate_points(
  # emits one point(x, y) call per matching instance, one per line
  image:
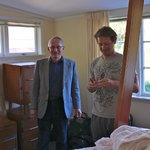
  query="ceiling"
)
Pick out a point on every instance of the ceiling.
point(65, 8)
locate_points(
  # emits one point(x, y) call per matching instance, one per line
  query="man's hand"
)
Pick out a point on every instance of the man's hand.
point(92, 86)
point(78, 113)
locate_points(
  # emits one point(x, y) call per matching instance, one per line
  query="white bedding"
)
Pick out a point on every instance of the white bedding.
point(124, 138)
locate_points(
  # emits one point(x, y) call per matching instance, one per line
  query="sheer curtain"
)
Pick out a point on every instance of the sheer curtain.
point(95, 21)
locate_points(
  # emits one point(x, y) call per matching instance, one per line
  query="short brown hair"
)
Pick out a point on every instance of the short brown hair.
point(106, 31)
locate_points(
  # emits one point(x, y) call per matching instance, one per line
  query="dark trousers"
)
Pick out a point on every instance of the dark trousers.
point(54, 116)
point(101, 127)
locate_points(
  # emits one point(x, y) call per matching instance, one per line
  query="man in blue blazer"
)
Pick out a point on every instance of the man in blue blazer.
point(55, 91)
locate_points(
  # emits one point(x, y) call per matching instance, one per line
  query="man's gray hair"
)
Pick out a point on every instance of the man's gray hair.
point(57, 39)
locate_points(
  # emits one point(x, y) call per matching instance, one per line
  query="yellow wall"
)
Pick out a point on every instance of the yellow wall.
point(73, 32)
point(48, 31)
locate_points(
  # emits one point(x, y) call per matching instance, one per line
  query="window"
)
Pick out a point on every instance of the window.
point(120, 28)
point(144, 51)
point(19, 38)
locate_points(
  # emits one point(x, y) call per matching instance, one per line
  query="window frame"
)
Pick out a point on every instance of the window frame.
point(1, 43)
point(140, 62)
point(37, 24)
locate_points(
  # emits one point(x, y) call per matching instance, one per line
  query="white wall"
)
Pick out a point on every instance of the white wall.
point(140, 109)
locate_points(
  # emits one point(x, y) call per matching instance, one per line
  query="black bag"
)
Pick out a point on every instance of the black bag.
point(130, 123)
point(79, 133)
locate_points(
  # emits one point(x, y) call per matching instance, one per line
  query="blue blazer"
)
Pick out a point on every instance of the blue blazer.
point(40, 88)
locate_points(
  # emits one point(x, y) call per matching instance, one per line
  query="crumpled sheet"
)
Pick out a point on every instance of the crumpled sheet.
point(124, 138)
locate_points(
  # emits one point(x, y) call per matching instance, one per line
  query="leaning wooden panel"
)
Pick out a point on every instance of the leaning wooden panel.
point(135, 10)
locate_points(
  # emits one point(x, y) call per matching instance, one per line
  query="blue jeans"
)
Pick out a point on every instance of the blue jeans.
point(54, 116)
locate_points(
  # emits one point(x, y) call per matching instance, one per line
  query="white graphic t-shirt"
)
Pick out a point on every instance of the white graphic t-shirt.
point(105, 99)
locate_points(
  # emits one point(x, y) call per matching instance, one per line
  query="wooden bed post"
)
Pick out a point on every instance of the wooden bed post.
point(135, 10)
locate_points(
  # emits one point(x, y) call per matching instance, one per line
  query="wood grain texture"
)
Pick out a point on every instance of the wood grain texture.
point(135, 10)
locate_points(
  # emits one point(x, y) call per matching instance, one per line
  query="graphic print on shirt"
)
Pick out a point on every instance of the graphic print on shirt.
point(104, 95)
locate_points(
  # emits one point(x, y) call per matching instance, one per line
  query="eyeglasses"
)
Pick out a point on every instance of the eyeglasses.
point(57, 47)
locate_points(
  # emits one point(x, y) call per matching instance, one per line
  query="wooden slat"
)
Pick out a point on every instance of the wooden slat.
point(135, 10)
point(9, 145)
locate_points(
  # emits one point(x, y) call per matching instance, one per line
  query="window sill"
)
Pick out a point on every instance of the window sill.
point(142, 99)
point(21, 58)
